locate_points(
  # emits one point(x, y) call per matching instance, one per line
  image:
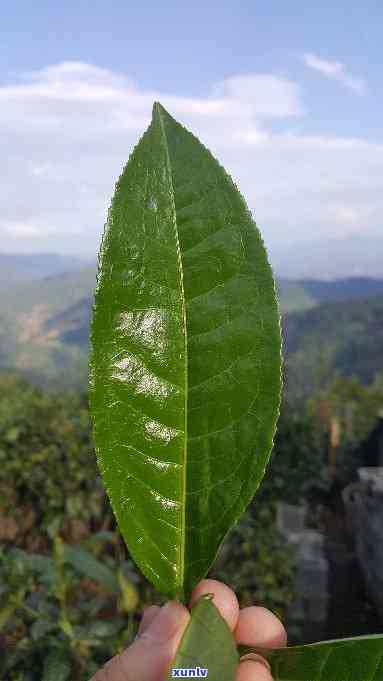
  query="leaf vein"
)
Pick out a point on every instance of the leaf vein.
point(228, 425)
point(223, 371)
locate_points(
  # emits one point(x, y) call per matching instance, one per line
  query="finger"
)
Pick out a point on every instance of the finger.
point(224, 599)
point(248, 670)
point(148, 617)
point(259, 627)
point(150, 656)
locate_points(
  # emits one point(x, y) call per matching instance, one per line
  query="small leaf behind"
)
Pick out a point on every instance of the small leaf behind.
point(208, 644)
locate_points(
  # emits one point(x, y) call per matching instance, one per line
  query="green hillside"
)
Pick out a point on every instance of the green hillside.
point(52, 293)
point(343, 338)
point(28, 342)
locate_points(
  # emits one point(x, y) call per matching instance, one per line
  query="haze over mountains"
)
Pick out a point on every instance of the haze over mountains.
point(324, 260)
point(330, 259)
point(28, 267)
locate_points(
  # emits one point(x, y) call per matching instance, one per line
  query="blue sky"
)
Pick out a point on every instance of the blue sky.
point(287, 95)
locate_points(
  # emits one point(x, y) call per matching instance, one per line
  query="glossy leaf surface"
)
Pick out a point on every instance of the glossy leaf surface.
point(207, 644)
point(350, 659)
point(185, 363)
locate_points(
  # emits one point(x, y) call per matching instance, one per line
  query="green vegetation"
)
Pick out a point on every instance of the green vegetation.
point(67, 583)
point(51, 498)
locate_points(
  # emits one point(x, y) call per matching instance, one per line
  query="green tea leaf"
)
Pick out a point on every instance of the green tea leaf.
point(37, 563)
point(185, 364)
point(57, 665)
point(349, 659)
point(87, 565)
point(208, 644)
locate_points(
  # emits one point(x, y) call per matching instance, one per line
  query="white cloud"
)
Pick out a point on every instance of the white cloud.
point(346, 215)
point(69, 129)
point(264, 94)
point(337, 71)
point(26, 229)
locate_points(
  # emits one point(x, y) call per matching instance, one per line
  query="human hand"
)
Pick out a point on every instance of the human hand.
point(161, 629)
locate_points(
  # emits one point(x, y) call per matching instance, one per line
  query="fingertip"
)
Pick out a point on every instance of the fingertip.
point(224, 599)
point(169, 623)
point(259, 626)
point(147, 618)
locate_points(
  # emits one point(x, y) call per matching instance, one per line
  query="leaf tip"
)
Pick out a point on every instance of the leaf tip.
point(157, 109)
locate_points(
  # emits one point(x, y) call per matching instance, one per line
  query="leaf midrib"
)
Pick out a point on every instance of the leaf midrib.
point(182, 544)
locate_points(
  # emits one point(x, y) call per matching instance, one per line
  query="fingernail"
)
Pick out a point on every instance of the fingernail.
point(166, 622)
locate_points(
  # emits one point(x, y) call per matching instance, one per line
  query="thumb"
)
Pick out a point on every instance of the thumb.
point(150, 656)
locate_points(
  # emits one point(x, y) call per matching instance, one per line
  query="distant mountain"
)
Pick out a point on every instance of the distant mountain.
point(304, 294)
point(324, 260)
point(30, 342)
point(72, 326)
point(342, 289)
point(343, 338)
point(50, 294)
point(30, 267)
point(293, 296)
point(44, 325)
point(330, 259)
